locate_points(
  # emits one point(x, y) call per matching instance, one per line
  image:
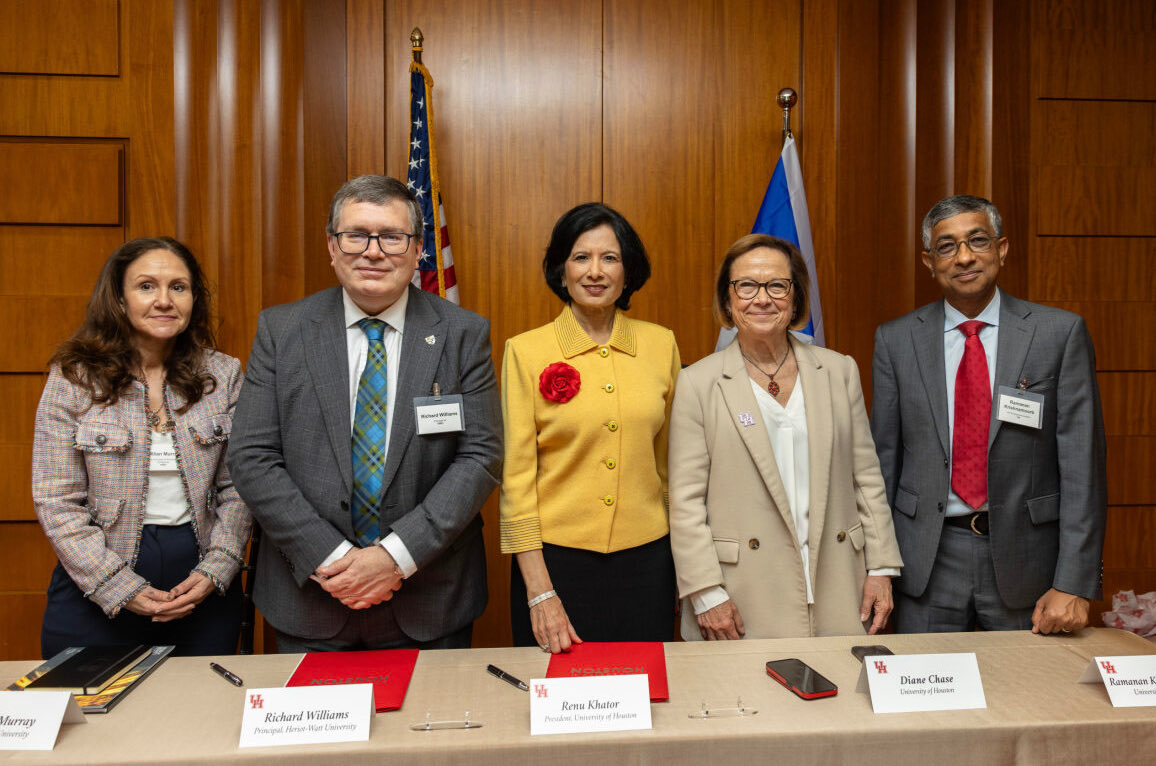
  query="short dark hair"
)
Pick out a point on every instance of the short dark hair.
point(100, 356)
point(800, 292)
point(377, 190)
point(949, 207)
point(576, 222)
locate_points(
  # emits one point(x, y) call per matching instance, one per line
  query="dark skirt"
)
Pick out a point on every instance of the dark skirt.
point(627, 595)
point(167, 556)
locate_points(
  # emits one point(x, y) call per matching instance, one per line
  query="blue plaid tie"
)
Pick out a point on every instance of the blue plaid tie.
point(369, 436)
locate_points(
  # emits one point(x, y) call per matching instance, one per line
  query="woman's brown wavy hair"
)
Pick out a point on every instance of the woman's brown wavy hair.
point(100, 356)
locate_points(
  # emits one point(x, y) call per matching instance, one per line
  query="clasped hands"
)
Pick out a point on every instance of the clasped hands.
point(166, 606)
point(362, 578)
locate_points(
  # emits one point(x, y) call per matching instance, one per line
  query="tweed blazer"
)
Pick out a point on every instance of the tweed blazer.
point(730, 520)
point(90, 481)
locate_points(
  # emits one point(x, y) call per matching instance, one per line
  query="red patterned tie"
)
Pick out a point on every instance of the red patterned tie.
point(972, 420)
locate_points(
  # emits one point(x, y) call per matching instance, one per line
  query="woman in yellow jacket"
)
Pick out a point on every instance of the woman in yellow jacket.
point(585, 401)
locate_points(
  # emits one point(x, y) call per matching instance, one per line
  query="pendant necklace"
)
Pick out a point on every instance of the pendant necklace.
point(772, 386)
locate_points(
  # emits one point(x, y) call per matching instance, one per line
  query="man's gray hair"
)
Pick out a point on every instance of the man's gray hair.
point(377, 190)
point(949, 207)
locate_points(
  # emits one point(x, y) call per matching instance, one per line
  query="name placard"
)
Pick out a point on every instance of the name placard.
point(603, 703)
point(306, 715)
point(1130, 680)
point(31, 720)
point(921, 682)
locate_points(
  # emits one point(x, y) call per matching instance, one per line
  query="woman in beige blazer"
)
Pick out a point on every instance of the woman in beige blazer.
point(778, 520)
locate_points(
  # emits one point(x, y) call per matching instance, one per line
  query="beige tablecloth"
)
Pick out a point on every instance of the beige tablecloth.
point(1036, 711)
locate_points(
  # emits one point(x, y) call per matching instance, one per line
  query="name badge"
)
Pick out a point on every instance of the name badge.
point(920, 682)
point(602, 703)
point(438, 414)
point(162, 457)
point(1019, 407)
point(1130, 680)
point(31, 720)
point(306, 715)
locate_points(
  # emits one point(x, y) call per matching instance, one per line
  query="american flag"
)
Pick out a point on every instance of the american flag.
point(435, 272)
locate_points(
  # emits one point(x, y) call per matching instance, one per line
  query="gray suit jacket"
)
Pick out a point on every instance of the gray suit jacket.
point(291, 460)
point(1046, 487)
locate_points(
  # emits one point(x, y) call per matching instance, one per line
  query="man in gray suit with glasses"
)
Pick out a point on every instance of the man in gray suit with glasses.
point(986, 417)
point(366, 439)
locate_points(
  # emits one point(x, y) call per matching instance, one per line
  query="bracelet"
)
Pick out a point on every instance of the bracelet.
point(541, 597)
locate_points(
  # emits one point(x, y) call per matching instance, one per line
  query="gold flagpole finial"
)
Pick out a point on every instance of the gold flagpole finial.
point(787, 99)
point(416, 39)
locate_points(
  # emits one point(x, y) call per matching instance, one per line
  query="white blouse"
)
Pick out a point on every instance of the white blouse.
point(165, 504)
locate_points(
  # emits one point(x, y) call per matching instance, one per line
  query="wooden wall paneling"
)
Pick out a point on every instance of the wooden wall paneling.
point(59, 37)
point(1129, 400)
point(327, 135)
point(1011, 133)
point(21, 394)
point(61, 182)
point(365, 61)
point(517, 98)
point(1073, 268)
point(1124, 333)
point(1097, 50)
point(816, 130)
point(973, 72)
point(1130, 461)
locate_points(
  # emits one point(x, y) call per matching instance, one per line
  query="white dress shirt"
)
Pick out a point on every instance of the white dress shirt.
point(357, 348)
point(953, 344)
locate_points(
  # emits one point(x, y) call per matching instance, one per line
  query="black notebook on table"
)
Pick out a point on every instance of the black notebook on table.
point(91, 669)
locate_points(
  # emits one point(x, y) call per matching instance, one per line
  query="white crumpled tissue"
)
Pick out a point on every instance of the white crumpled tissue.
point(1133, 613)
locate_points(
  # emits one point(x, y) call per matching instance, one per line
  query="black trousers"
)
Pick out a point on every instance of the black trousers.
point(167, 556)
point(627, 595)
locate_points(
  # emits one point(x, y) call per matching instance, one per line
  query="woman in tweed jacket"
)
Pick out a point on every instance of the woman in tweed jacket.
point(128, 469)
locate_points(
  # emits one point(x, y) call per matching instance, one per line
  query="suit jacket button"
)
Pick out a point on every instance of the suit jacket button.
point(610, 463)
point(217, 430)
point(345, 505)
point(946, 463)
point(753, 543)
point(612, 425)
point(609, 388)
point(841, 536)
point(609, 500)
point(940, 506)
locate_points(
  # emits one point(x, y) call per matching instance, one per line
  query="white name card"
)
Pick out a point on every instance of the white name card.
point(31, 720)
point(1130, 680)
point(438, 415)
point(306, 715)
point(595, 703)
point(908, 683)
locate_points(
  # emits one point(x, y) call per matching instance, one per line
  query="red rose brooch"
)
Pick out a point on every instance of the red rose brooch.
point(559, 382)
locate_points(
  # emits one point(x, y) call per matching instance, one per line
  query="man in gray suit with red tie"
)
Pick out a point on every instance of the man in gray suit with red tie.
point(986, 417)
point(366, 439)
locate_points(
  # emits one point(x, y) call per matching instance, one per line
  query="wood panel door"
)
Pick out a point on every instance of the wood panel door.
point(86, 162)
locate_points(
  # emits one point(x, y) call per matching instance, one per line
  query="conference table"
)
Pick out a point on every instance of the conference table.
point(1036, 711)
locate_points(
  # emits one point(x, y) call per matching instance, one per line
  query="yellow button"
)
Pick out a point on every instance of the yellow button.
point(608, 500)
point(604, 351)
point(610, 463)
point(612, 425)
point(754, 543)
point(609, 388)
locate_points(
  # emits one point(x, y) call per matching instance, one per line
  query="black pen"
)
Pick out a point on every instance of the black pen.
point(495, 670)
point(232, 678)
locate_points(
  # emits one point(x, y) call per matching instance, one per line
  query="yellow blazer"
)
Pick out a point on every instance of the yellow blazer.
point(589, 473)
point(730, 521)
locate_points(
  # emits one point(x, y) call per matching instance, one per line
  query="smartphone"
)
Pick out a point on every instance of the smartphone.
point(870, 650)
point(801, 679)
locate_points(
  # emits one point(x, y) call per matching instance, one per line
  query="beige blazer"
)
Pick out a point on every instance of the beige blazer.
point(730, 522)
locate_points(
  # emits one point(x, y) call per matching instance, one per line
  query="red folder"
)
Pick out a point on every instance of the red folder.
point(389, 670)
point(620, 658)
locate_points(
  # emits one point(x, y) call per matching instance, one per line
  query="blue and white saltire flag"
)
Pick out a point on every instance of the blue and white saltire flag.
point(784, 214)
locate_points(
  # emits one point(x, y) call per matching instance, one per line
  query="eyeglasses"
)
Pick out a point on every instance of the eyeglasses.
point(976, 243)
point(357, 242)
point(748, 288)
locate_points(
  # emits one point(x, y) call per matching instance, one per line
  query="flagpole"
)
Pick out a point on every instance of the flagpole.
point(787, 99)
point(416, 39)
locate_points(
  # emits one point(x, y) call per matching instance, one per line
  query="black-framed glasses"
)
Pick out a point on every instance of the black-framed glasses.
point(749, 288)
point(357, 242)
point(976, 243)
